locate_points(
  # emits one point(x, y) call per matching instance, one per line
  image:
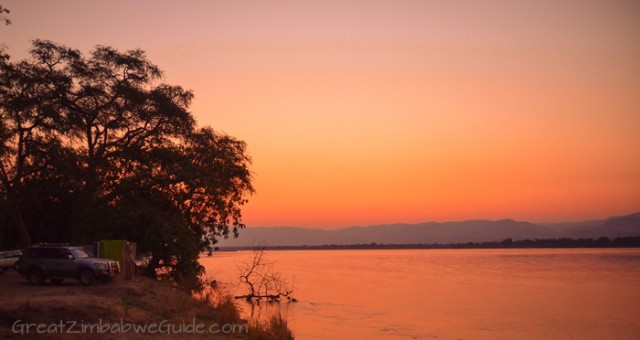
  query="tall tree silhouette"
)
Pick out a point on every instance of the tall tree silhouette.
point(112, 107)
point(28, 123)
point(123, 151)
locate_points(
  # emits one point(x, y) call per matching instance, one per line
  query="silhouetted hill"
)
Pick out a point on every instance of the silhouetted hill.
point(563, 226)
point(618, 226)
point(434, 232)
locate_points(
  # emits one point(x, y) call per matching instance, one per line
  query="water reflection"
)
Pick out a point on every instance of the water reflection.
point(532, 293)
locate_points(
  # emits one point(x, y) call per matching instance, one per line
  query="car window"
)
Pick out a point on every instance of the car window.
point(79, 253)
point(49, 253)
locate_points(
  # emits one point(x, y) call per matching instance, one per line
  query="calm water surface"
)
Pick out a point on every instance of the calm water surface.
point(456, 294)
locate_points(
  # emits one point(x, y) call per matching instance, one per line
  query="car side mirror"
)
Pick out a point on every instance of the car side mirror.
point(69, 257)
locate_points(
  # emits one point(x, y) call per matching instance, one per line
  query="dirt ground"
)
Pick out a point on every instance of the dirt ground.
point(138, 301)
point(16, 291)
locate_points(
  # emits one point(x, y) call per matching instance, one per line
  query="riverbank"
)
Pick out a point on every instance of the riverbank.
point(561, 243)
point(120, 309)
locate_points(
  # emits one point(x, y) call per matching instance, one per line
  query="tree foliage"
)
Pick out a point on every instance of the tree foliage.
point(28, 121)
point(96, 147)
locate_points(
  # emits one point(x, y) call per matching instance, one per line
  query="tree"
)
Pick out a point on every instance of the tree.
point(102, 144)
point(27, 131)
point(262, 281)
point(196, 190)
point(112, 106)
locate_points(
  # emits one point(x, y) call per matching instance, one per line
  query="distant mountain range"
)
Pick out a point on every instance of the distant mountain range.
point(435, 232)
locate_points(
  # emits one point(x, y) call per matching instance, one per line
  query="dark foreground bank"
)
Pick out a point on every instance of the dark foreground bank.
point(120, 310)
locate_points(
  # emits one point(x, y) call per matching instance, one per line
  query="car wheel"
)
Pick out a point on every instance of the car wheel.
point(87, 278)
point(56, 281)
point(36, 276)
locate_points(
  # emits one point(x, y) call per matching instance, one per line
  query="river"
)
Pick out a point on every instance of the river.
point(454, 294)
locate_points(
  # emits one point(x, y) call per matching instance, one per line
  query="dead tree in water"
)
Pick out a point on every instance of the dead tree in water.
point(262, 281)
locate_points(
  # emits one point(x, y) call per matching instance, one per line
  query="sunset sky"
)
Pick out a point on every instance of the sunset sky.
point(361, 112)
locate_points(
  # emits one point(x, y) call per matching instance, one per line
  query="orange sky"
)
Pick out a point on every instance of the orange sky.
point(370, 112)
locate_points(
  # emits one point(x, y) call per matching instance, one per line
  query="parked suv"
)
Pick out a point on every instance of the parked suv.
point(58, 262)
point(8, 259)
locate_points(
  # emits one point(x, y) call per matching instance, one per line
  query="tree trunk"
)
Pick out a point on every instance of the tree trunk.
point(14, 211)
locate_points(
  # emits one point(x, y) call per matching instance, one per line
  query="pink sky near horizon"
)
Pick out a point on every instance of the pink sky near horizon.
point(372, 112)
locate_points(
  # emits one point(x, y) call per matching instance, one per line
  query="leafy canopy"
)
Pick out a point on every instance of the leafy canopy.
point(101, 148)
